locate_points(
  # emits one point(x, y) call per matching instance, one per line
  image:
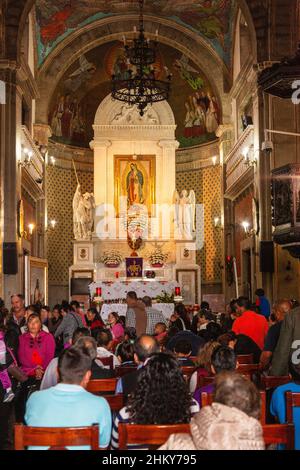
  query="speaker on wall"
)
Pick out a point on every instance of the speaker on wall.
point(266, 257)
point(10, 258)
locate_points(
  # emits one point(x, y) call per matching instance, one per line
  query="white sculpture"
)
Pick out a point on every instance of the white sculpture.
point(129, 115)
point(185, 210)
point(83, 214)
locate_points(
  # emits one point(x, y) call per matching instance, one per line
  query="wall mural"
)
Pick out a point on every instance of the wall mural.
point(87, 82)
point(212, 19)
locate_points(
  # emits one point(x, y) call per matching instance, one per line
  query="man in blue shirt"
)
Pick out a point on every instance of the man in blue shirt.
point(68, 404)
point(278, 402)
point(263, 303)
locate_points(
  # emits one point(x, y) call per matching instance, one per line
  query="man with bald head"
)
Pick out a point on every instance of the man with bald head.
point(144, 347)
point(280, 310)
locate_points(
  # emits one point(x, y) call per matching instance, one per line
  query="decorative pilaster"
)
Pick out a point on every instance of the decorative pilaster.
point(10, 183)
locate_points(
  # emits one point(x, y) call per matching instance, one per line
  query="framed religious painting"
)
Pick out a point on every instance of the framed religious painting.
point(134, 183)
point(36, 281)
point(188, 281)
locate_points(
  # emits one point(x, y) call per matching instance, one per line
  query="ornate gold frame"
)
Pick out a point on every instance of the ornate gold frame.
point(117, 178)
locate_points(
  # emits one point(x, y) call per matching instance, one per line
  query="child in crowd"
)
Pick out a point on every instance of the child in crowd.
point(4, 377)
point(183, 350)
point(160, 332)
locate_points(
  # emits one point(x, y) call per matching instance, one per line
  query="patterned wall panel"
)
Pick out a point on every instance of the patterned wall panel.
point(206, 183)
point(61, 186)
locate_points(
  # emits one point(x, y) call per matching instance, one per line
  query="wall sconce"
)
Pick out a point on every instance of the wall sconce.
point(51, 161)
point(214, 160)
point(27, 160)
point(218, 223)
point(31, 228)
point(50, 227)
point(246, 227)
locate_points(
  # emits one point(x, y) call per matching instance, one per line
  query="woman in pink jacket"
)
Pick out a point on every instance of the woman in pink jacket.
point(36, 348)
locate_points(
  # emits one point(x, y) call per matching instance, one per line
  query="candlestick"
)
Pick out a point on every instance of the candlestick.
point(177, 291)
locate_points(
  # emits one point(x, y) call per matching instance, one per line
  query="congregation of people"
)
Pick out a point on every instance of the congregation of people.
point(187, 369)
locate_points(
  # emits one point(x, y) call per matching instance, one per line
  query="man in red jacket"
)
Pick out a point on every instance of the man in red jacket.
point(250, 323)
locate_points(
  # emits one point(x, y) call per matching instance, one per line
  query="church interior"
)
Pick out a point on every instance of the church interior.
point(153, 147)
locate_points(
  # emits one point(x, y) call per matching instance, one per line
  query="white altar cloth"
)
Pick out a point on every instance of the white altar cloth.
point(118, 289)
point(166, 309)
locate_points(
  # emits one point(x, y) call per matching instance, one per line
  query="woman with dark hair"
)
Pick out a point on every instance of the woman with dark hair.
point(212, 332)
point(36, 348)
point(180, 318)
point(116, 326)
point(93, 320)
point(55, 319)
point(161, 396)
point(126, 354)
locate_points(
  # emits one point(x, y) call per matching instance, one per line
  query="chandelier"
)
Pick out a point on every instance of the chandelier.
point(136, 83)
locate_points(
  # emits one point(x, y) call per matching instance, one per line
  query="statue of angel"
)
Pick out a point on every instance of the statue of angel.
point(83, 214)
point(185, 210)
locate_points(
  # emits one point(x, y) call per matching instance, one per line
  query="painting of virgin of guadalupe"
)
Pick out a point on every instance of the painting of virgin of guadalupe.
point(134, 182)
point(135, 185)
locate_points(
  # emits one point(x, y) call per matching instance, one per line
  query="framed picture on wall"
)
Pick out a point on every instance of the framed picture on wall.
point(36, 281)
point(188, 280)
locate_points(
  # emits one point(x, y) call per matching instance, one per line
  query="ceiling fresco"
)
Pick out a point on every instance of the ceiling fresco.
point(87, 82)
point(211, 19)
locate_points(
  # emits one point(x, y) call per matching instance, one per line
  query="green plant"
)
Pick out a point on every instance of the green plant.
point(165, 298)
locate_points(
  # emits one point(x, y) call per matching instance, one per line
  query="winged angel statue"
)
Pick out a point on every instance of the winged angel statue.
point(185, 210)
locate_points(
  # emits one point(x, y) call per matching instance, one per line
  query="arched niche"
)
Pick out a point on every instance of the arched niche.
point(120, 131)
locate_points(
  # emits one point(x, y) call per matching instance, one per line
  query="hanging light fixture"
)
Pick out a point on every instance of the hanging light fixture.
point(137, 85)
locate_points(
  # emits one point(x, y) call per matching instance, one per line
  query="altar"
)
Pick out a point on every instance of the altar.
point(116, 291)
point(134, 209)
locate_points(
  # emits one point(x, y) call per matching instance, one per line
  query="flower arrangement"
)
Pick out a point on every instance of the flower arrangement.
point(111, 259)
point(165, 298)
point(157, 258)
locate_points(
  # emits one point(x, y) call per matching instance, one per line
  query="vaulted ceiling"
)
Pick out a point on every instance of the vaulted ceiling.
point(212, 20)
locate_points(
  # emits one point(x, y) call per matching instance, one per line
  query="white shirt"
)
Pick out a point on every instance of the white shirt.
point(102, 352)
point(50, 375)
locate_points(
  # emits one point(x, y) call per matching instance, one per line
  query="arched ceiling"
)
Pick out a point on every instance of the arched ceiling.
point(212, 20)
point(86, 82)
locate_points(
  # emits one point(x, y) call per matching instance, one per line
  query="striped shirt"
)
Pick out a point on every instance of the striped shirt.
point(123, 416)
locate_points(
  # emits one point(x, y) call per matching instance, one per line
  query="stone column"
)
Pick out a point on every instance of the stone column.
point(41, 135)
point(263, 185)
point(225, 133)
point(10, 180)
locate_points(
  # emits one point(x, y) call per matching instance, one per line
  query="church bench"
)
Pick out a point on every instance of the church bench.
point(279, 434)
point(292, 401)
point(102, 385)
point(116, 402)
point(56, 438)
point(207, 399)
point(245, 358)
point(121, 371)
point(272, 381)
point(108, 362)
point(152, 436)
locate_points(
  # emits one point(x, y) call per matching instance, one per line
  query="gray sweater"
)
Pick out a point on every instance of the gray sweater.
point(70, 323)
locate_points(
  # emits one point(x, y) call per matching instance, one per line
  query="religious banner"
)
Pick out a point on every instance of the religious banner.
point(134, 267)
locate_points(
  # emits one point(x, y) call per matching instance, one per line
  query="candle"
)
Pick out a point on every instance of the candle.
point(98, 291)
point(177, 291)
point(117, 275)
